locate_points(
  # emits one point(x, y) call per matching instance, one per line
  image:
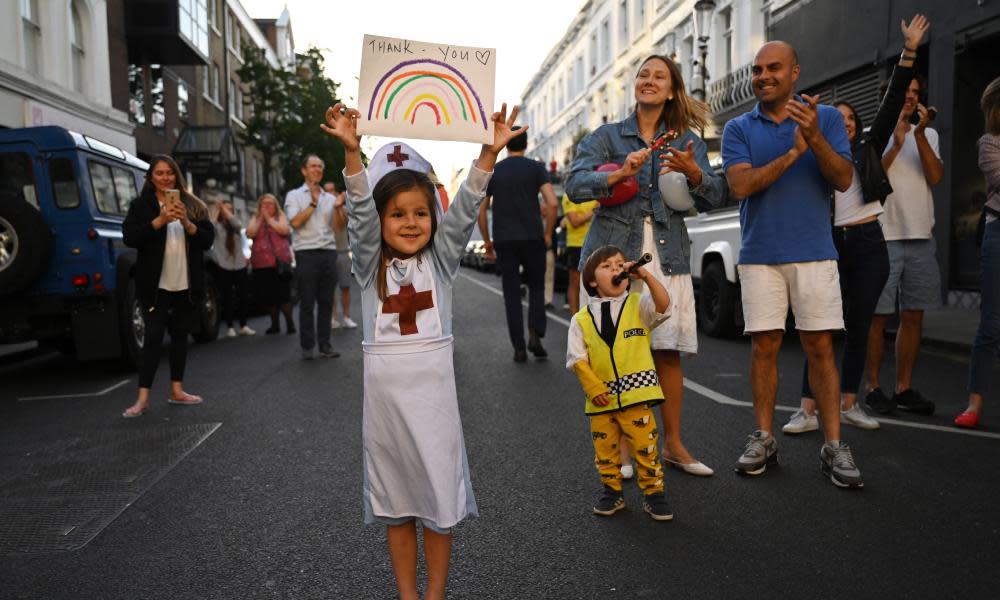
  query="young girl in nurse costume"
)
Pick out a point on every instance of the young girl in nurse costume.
point(415, 467)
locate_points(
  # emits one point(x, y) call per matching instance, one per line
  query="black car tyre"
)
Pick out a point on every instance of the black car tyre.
point(717, 302)
point(207, 314)
point(25, 241)
point(132, 327)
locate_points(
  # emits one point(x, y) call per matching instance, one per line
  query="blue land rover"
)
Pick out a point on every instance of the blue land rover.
point(65, 275)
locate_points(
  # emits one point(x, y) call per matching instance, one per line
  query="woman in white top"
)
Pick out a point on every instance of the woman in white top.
point(863, 259)
point(232, 273)
point(169, 238)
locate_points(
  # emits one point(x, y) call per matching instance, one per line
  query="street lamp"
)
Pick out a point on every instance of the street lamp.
point(703, 10)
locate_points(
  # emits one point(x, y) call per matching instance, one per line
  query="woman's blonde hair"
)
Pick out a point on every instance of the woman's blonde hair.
point(682, 111)
point(196, 209)
point(277, 205)
point(990, 103)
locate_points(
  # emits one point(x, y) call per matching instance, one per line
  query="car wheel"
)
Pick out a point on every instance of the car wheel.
point(25, 241)
point(132, 327)
point(717, 302)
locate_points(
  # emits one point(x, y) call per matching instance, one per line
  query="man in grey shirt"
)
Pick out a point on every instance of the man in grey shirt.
point(311, 212)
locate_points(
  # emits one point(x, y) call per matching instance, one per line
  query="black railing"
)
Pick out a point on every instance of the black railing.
point(731, 91)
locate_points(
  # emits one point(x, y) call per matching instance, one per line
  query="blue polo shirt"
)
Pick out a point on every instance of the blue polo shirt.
point(789, 221)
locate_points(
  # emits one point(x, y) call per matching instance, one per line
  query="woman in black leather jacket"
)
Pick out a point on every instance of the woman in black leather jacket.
point(169, 272)
point(863, 262)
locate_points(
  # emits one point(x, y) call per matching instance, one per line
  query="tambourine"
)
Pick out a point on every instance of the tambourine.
point(621, 192)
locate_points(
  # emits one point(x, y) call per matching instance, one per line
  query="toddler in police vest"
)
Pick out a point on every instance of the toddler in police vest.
point(609, 351)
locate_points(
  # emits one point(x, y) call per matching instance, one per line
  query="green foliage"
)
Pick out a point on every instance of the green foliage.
point(287, 109)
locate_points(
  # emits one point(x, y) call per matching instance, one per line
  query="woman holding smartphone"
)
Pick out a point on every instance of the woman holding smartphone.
point(170, 229)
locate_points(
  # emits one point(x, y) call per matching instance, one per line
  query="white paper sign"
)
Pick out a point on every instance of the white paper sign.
point(412, 89)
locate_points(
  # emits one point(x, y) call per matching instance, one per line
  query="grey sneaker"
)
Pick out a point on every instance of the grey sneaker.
point(858, 417)
point(801, 422)
point(838, 464)
point(308, 354)
point(761, 450)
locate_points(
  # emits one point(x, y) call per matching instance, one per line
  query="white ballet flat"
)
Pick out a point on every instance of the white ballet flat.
point(695, 468)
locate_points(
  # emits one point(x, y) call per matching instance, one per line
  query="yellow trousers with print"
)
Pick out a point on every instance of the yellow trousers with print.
point(636, 423)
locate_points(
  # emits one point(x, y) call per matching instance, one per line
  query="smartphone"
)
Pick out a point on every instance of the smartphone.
point(173, 197)
point(931, 113)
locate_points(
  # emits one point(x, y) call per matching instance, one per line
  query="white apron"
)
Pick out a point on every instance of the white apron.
point(414, 451)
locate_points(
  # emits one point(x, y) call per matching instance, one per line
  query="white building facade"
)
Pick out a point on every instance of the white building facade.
point(54, 69)
point(587, 79)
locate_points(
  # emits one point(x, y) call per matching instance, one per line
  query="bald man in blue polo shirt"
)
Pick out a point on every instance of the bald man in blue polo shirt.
point(785, 158)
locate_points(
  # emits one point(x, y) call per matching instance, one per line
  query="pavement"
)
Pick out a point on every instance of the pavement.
point(257, 492)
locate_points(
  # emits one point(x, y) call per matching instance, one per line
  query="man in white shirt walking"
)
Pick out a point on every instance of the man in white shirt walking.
point(311, 212)
point(913, 162)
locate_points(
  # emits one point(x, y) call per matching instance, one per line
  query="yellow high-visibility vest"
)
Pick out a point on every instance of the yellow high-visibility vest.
point(627, 366)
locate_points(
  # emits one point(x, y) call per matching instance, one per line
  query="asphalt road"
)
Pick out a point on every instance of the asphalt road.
point(257, 493)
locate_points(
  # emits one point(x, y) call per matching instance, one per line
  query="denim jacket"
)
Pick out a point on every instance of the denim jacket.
point(622, 225)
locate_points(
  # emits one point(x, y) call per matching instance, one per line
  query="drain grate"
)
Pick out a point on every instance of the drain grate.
point(59, 497)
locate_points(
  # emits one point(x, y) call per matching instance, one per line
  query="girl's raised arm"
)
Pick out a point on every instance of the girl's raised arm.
point(457, 224)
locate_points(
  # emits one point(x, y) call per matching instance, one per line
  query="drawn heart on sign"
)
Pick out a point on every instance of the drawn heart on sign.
point(483, 56)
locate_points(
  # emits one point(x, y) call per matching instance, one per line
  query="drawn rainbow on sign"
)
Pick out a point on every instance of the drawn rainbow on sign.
point(408, 87)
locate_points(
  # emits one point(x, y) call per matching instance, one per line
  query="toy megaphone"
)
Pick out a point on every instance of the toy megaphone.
point(621, 192)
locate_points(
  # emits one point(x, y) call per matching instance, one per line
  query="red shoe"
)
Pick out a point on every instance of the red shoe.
point(967, 419)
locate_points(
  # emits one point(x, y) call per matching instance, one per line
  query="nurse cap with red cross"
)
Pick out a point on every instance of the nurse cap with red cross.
point(398, 155)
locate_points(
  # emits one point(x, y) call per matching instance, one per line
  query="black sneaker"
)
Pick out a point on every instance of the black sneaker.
point(609, 502)
point(911, 400)
point(879, 402)
point(535, 345)
point(656, 505)
point(520, 356)
point(328, 353)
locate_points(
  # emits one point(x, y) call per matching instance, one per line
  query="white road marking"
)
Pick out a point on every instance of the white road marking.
point(84, 395)
point(723, 399)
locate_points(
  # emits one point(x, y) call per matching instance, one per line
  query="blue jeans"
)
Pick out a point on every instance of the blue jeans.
point(986, 346)
point(864, 268)
point(316, 271)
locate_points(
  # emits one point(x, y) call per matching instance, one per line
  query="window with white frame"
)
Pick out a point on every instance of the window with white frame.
point(213, 15)
point(193, 23)
point(215, 82)
point(136, 95)
point(594, 49)
point(726, 24)
point(32, 36)
point(183, 107)
point(158, 114)
point(623, 38)
point(579, 75)
point(76, 43)
point(206, 81)
point(605, 42)
point(640, 15)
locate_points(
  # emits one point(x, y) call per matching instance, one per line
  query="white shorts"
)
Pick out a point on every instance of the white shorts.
point(811, 288)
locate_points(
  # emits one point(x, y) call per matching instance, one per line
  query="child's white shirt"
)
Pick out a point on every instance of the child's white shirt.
point(576, 346)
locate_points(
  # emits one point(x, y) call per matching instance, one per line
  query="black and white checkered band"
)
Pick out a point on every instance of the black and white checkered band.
point(633, 381)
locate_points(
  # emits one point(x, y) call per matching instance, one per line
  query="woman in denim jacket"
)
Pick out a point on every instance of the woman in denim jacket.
point(646, 224)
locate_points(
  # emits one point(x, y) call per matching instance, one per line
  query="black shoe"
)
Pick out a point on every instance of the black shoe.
point(656, 505)
point(609, 502)
point(520, 356)
point(328, 353)
point(292, 330)
point(911, 400)
point(535, 345)
point(879, 402)
point(273, 330)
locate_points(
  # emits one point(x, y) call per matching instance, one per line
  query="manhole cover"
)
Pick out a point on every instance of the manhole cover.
point(59, 497)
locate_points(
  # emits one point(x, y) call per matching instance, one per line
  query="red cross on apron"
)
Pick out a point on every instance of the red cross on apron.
point(398, 156)
point(407, 302)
